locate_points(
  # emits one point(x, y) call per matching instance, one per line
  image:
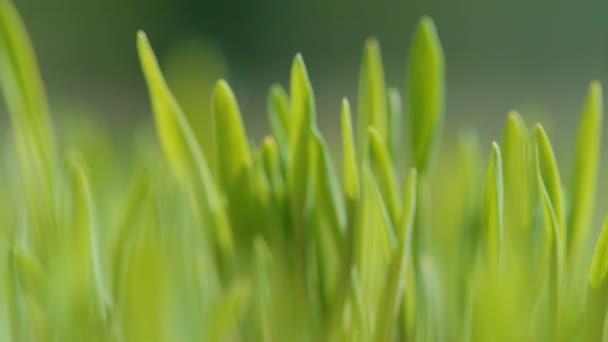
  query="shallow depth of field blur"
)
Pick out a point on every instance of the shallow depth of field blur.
point(537, 58)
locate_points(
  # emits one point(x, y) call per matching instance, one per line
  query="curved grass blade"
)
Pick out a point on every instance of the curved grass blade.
point(231, 140)
point(516, 165)
point(351, 173)
point(85, 219)
point(278, 116)
point(375, 243)
point(24, 92)
point(552, 253)
point(382, 168)
point(426, 93)
point(549, 173)
point(584, 175)
point(394, 132)
point(373, 108)
point(329, 197)
point(394, 287)
point(183, 151)
point(493, 210)
point(303, 119)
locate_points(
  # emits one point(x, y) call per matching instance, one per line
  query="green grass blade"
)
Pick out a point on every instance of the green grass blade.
point(351, 173)
point(24, 91)
point(382, 168)
point(182, 151)
point(584, 175)
point(86, 220)
point(389, 304)
point(230, 139)
point(394, 132)
point(553, 249)
point(493, 210)
point(373, 108)
point(330, 197)
point(303, 119)
point(375, 242)
point(426, 93)
point(278, 116)
point(549, 173)
point(516, 164)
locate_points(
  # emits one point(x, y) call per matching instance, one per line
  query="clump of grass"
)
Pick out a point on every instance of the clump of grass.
point(272, 242)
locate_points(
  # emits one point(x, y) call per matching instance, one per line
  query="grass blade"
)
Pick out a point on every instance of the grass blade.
point(584, 175)
point(182, 151)
point(394, 287)
point(278, 116)
point(373, 108)
point(516, 164)
point(351, 173)
point(231, 143)
point(549, 174)
point(426, 93)
point(382, 168)
point(493, 210)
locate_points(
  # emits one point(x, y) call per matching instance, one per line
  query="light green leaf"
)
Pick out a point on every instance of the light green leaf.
point(230, 139)
point(373, 108)
point(24, 94)
point(516, 164)
point(550, 177)
point(374, 244)
point(86, 221)
point(493, 210)
point(584, 174)
point(303, 118)
point(183, 151)
point(263, 291)
point(329, 194)
point(552, 250)
point(384, 174)
point(394, 137)
point(426, 93)
point(272, 167)
point(394, 287)
point(351, 174)
point(278, 116)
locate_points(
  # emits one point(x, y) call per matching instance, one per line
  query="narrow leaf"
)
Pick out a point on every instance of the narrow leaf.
point(493, 210)
point(550, 176)
point(516, 163)
point(382, 168)
point(373, 108)
point(397, 273)
point(183, 152)
point(231, 140)
point(278, 116)
point(351, 174)
point(584, 175)
point(426, 93)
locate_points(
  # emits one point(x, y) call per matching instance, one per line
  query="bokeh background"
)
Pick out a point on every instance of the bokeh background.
point(536, 56)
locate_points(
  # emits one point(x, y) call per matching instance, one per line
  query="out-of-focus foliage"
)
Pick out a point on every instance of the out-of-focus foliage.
point(219, 237)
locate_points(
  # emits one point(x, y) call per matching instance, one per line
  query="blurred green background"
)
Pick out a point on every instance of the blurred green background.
point(536, 56)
